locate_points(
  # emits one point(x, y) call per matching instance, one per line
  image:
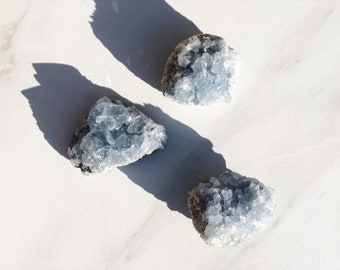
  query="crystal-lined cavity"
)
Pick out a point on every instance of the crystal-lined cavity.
point(201, 70)
point(231, 208)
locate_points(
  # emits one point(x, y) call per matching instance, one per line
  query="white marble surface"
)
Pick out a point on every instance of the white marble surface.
point(282, 127)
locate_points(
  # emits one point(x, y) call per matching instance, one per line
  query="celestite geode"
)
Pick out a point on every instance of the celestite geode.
point(231, 208)
point(114, 135)
point(201, 70)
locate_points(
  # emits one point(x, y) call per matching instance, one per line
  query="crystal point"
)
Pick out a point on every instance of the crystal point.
point(114, 135)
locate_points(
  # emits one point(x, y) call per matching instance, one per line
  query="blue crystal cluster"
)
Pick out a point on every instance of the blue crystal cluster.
point(231, 208)
point(201, 70)
point(114, 135)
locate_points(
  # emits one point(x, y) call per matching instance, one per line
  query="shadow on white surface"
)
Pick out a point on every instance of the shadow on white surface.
point(61, 102)
point(64, 98)
point(170, 173)
point(141, 34)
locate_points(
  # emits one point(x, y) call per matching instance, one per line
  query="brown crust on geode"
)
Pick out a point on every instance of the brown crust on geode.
point(171, 64)
point(79, 134)
point(197, 208)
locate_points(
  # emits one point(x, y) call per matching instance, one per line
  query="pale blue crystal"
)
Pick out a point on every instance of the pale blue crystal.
point(231, 208)
point(201, 71)
point(114, 135)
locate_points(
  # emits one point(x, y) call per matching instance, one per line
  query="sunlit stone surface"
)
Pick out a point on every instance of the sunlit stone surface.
point(114, 135)
point(201, 70)
point(231, 208)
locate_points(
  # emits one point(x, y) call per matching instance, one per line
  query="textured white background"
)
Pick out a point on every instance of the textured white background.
point(282, 127)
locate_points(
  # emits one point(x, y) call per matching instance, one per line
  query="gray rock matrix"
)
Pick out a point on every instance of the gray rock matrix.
point(114, 135)
point(201, 70)
point(231, 208)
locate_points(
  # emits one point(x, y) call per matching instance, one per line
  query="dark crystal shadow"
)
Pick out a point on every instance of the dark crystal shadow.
point(62, 101)
point(141, 34)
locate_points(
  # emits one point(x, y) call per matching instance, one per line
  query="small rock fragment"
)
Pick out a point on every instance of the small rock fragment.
point(114, 135)
point(231, 208)
point(201, 70)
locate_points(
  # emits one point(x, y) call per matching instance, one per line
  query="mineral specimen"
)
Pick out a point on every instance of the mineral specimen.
point(114, 135)
point(201, 70)
point(231, 208)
